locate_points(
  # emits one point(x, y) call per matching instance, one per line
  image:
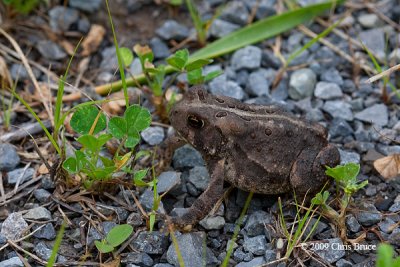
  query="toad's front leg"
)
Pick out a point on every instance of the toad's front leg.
point(203, 204)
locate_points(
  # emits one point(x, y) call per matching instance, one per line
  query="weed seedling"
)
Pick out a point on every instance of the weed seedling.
point(114, 238)
point(386, 256)
point(345, 177)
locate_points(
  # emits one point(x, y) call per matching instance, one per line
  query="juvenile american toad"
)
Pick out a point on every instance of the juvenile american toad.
point(256, 148)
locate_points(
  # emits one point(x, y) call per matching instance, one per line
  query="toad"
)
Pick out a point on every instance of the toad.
point(257, 148)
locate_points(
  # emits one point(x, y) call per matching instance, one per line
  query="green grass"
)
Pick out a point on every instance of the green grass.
point(237, 229)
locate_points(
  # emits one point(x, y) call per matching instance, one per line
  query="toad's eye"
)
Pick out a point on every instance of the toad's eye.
point(195, 122)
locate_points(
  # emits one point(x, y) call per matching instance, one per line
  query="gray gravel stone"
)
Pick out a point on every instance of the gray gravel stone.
point(248, 57)
point(332, 75)
point(327, 90)
point(151, 243)
point(395, 207)
point(302, 84)
point(84, 25)
point(46, 232)
point(20, 174)
point(258, 85)
point(140, 258)
point(153, 135)
point(3, 239)
point(38, 214)
point(14, 226)
point(270, 255)
point(338, 109)
point(191, 248)
point(269, 60)
point(331, 254)
point(347, 157)
point(12, 262)
point(255, 262)
point(224, 87)
point(42, 195)
point(255, 225)
point(368, 214)
point(168, 181)
point(220, 28)
point(256, 245)
point(159, 48)
point(187, 157)
point(352, 224)
point(235, 12)
point(109, 61)
point(61, 18)
point(213, 222)
point(199, 177)
point(147, 199)
point(376, 114)
point(340, 127)
point(394, 55)
point(42, 251)
point(136, 67)
point(18, 71)
point(369, 20)
point(9, 158)
point(171, 29)
point(343, 263)
point(87, 5)
point(134, 219)
point(50, 50)
point(394, 237)
point(374, 40)
point(239, 255)
point(264, 9)
point(386, 225)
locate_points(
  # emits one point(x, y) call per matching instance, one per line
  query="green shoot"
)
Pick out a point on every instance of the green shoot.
point(56, 247)
point(120, 58)
point(386, 256)
point(23, 6)
point(237, 229)
point(60, 93)
point(378, 68)
point(114, 238)
point(345, 177)
point(197, 21)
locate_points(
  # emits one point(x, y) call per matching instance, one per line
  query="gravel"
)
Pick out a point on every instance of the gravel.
point(9, 158)
point(171, 29)
point(20, 175)
point(191, 248)
point(248, 57)
point(302, 84)
point(376, 114)
point(14, 226)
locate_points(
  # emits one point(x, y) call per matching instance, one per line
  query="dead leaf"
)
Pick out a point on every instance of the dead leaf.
point(43, 169)
point(93, 40)
point(113, 263)
point(68, 47)
point(388, 167)
point(5, 77)
point(117, 105)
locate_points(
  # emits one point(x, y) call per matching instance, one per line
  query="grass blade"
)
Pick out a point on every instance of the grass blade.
point(57, 244)
point(60, 91)
point(237, 229)
point(251, 34)
point(53, 142)
point(120, 62)
point(261, 30)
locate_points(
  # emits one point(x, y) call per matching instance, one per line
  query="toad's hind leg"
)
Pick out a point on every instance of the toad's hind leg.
point(308, 176)
point(203, 205)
